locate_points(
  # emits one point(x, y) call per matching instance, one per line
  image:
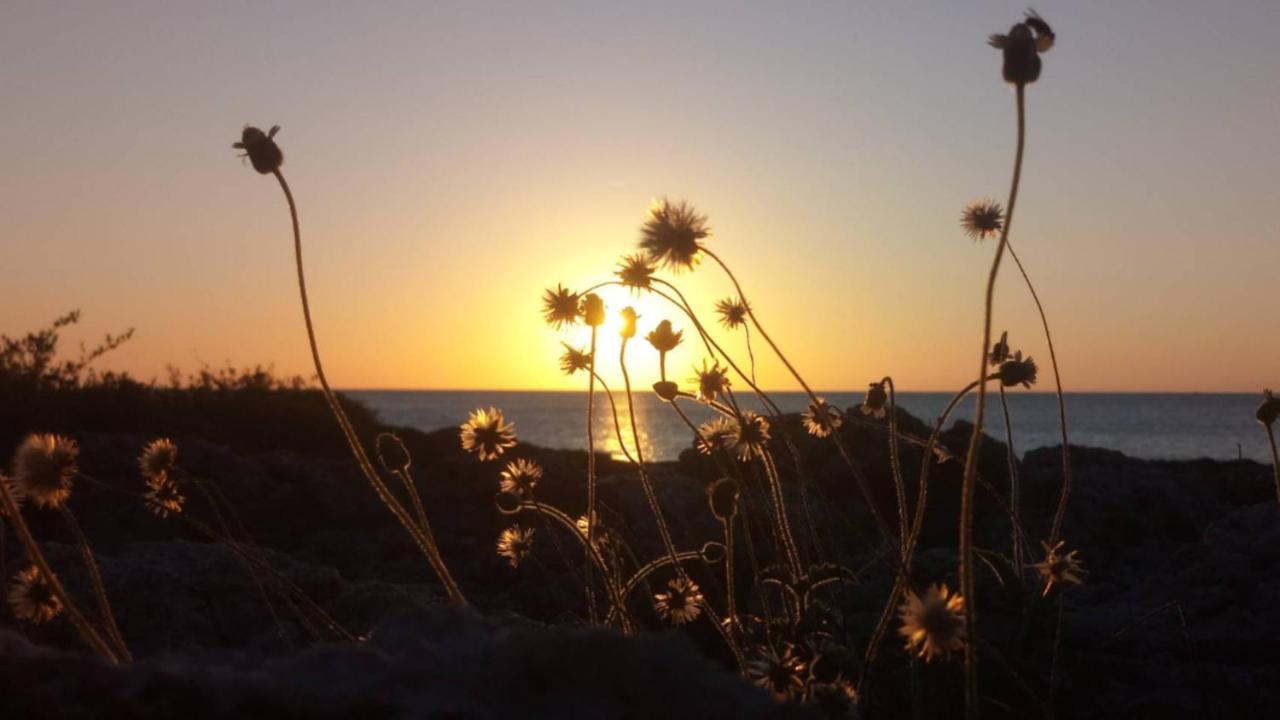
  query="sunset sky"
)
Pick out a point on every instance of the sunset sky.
point(451, 161)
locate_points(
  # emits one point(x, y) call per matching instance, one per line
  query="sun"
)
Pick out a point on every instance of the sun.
point(641, 359)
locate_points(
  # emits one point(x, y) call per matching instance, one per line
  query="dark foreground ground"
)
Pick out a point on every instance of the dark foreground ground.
point(1179, 617)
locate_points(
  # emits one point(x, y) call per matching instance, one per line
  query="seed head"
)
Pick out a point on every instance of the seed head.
point(32, 599)
point(1017, 371)
point(982, 219)
point(712, 381)
point(715, 435)
point(636, 272)
point(43, 468)
point(573, 359)
point(560, 307)
point(732, 312)
point(750, 435)
point(1059, 568)
point(261, 149)
point(487, 434)
point(672, 233)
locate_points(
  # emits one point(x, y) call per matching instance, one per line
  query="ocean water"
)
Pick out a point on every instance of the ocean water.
point(1153, 426)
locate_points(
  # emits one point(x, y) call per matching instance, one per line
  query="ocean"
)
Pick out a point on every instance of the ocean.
point(1152, 426)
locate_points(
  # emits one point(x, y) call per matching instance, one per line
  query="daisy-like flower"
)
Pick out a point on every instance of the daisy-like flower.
point(487, 434)
point(636, 272)
point(44, 466)
point(681, 604)
point(560, 307)
point(820, 419)
point(520, 477)
point(1269, 410)
point(515, 543)
point(875, 401)
point(999, 351)
point(1017, 371)
point(663, 338)
point(14, 492)
point(1022, 48)
point(162, 496)
point(982, 219)
point(1058, 568)
point(670, 236)
point(716, 434)
point(933, 624)
point(261, 149)
point(712, 381)
point(629, 317)
point(722, 496)
point(573, 359)
point(158, 458)
point(31, 598)
point(750, 435)
point(732, 312)
point(780, 673)
point(592, 310)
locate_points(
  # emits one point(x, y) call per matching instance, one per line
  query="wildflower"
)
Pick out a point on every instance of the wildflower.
point(261, 149)
point(835, 700)
point(682, 604)
point(982, 219)
point(750, 435)
point(629, 317)
point(1059, 568)
point(43, 468)
point(666, 390)
point(732, 312)
point(636, 272)
point(722, 496)
point(670, 236)
point(593, 310)
point(521, 477)
point(515, 543)
point(158, 458)
point(560, 307)
point(15, 492)
point(663, 338)
point(874, 402)
point(712, 381)
point(933, 624)
point(574, 360)
point(999, 351)
point(715, 435)
point(1269, 410)
point(782, 674)
point(162, 496)
point(1022, 48)
point(487, 434)
point(32, 599)
point(1017, 371)
point(820, 419)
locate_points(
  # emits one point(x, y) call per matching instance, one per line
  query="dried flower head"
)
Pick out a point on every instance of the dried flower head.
point(672, 233)
point(629, 317)
point(32, 599)
point(162, 496)
point(999, 351)
point(820, 419)
point(750, 435)
point(521, 477)
point(158, 458)
point(663, 338)
point(592, 310)
point(636, 272)
point(712, 381)
point(261, 149)
point(1058, 568)
point(487, 434)
point(715, 434)
point(44, 466)
point(666, 390)
point(875, 401)
point(836, 700)
point(982, 219)
point(573, 359)
point(732, 312)
point(722, 496)
point(515, 543)
point(780, 673)
point(1018, 371)
point(393, 456)
point(933, 624)
point(681, 604)
point(1269, 410)
point(560, 307)
point(1022, 48)
point(15, 492)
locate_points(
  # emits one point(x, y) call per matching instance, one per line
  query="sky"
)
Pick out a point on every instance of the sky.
point(453, 160)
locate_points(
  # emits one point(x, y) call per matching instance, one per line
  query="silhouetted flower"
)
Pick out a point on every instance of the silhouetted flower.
point(521, 477)
point(261, 149)
point(636, 272)
point(836, 700)
point(574, 360)
point(32, 599)
point(515, 544)
point(663, 338)
point(722, 496)
point(44, 466)
point(715, 434)
point(820, 419)
point(1017, 371)
point(1059, 569)
point(999, 351)
point(162, 496)
point(933, 625)
point(670, 236)
point(875, 401)
point(158, 458)
point(1022, 48)
point(780, 673)
point(593, 310)
point(560, 307)
point(15, 492)
point(666, 390)
point(393, 456)
point(1269, 410)
point(681, 604)
point(750, 435)
point(712, 381)
point(732, 312)
point(982, 219)
point(487, 434)
point(629, 317)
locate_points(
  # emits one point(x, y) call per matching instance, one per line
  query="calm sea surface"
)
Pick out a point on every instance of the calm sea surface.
point(1156, 426)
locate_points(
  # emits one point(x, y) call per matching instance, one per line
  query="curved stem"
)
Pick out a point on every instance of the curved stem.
point(99, 589)
point(1011, 456)
point(591, 476)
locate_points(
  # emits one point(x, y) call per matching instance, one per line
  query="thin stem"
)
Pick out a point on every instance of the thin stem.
point(895, 464)
point(591, 477)
point(1275, 458)
point(99, 589)
point(1011, 456)
point(750, 352)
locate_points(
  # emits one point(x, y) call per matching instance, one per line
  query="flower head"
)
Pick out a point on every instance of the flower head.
point(663, 338)
point(44, 466)
point(712, 381)
point(636, 272)
point(750, 435)
point(158, 458)
point(1058, 568)
point(670, 236)
point(681, 604)
point(593, 310)
point(781, 673)
point(875, 401)
point(820, 419)
point(1022, 48)
point(32, 599)
point(573, 359)
point(261, 149)
point(521, 477)
point(982, 219)
point(1017, 371)
point(393, 456)
point(487, 434)
point(1269, 410)
point(933, 624)
point(722, 496)
point(515, 543)
point(629, 317)
point(999, 351)
point(835, 700)
point(560, 307)
point(732, 312)
point(162, 496)
point(666, 390)
point(716, 434)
